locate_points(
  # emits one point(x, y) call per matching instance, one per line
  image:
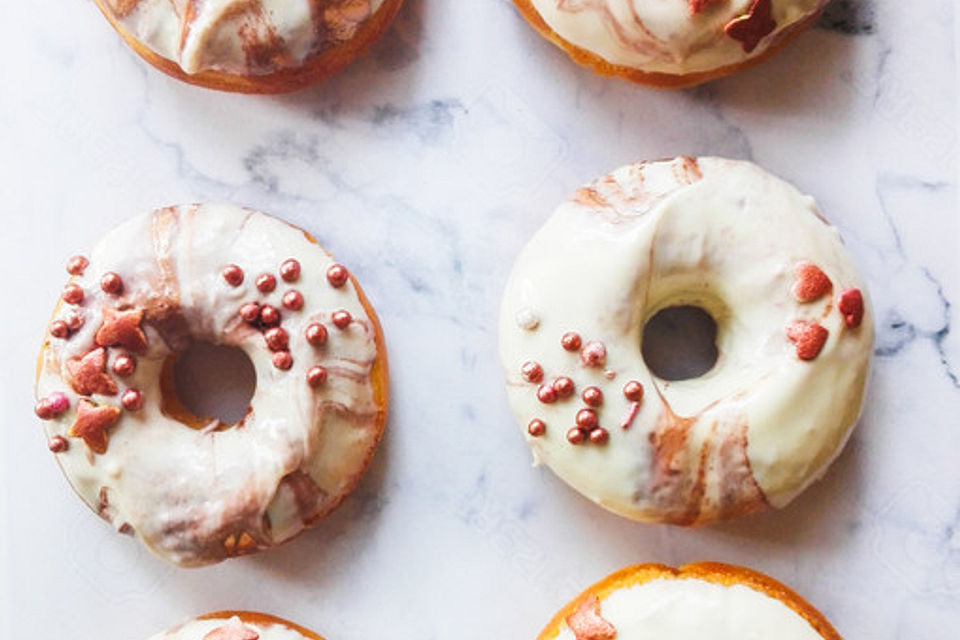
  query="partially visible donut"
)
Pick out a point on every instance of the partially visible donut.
point(669, 43)
point(794, 338)
point(250, 46)
point(193, 490)
point(702, 601)
point(237, 625)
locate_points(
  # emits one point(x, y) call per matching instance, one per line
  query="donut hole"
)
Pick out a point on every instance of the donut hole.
point(680, 342)
point(210, 381)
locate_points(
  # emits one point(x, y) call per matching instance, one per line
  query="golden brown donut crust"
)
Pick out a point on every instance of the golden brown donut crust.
point(314, 69)
point(715, 572)
point(654, 79)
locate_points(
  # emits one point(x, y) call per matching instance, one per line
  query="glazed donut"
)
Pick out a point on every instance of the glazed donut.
point(793, 341)
point(196, 491)
point(669, 43)
point(237, 625)
point(702, 601)
point(250, 46)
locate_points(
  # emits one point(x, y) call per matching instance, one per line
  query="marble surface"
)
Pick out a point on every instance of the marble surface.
point(425, 167)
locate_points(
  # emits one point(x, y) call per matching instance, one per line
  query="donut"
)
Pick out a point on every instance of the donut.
point(237, 625)
point(669, 43)
point(793, 341)
point(705, 600)
point(250, 46)
point(192, 489)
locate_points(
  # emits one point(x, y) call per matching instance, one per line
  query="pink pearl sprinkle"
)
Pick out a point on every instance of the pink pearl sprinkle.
point(59, 329)
point(570, 341)
point(546, 394)
point(592, 396)
point(536, 428)
point(575, 435)
point(341, 319)
point(76, 265)
point(233, 275)
point(337, 275)
point(124, 365)
point(266, 283)
point(316, 334)
point(593, 354)
point(282, 360)
point(58, 444)
point(250, 312)
point(269, 316)
point(59, 402)
point(290, 270)
point(132, 400)
point(316, 376)
point(563, 386)
point(531, 372)
point(277, 339)
point(599, 435)
point(293, 300)
point(111, 283)
point(73, 294)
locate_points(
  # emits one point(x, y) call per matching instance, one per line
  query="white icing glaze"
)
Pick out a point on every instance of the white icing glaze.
point(243, 37)
point(693, 609)
point(664, 36)
point(185, 491)
point(198, 629)
point(757, 428)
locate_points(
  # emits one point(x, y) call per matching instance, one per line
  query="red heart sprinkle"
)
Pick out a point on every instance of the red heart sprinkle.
point(850, 304)
point(808, 337)
point(809, 282)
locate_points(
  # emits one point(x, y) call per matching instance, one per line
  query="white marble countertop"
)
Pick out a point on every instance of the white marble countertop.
point(425, 167)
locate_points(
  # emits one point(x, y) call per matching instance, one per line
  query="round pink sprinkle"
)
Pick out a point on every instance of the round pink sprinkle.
point(111, 283)
point(132, 399)
point(537, 427)
point(570, 341)
point(124, 365)
point(337, 275)
point(75, 321)
point(290, 270)
point(59, 402)
point(341, 319)
point(316, 334)
point(59, 329)
point(42, 409)
point(633, 391)
point(269, 316)
point(316, 376)
point(73, 294)
point(76, 265)
point(282, 360)
point(586, 419)
point(293, 300)
point(277, 339)
point(563, 386)
point(546, 394)
point(233, 275)
point(58, 444)
point(592, 396)
point(593, 354)
point(575, 435)
point(250, 312)
point(531, 372)
point(266, 283)
point(599, 435)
